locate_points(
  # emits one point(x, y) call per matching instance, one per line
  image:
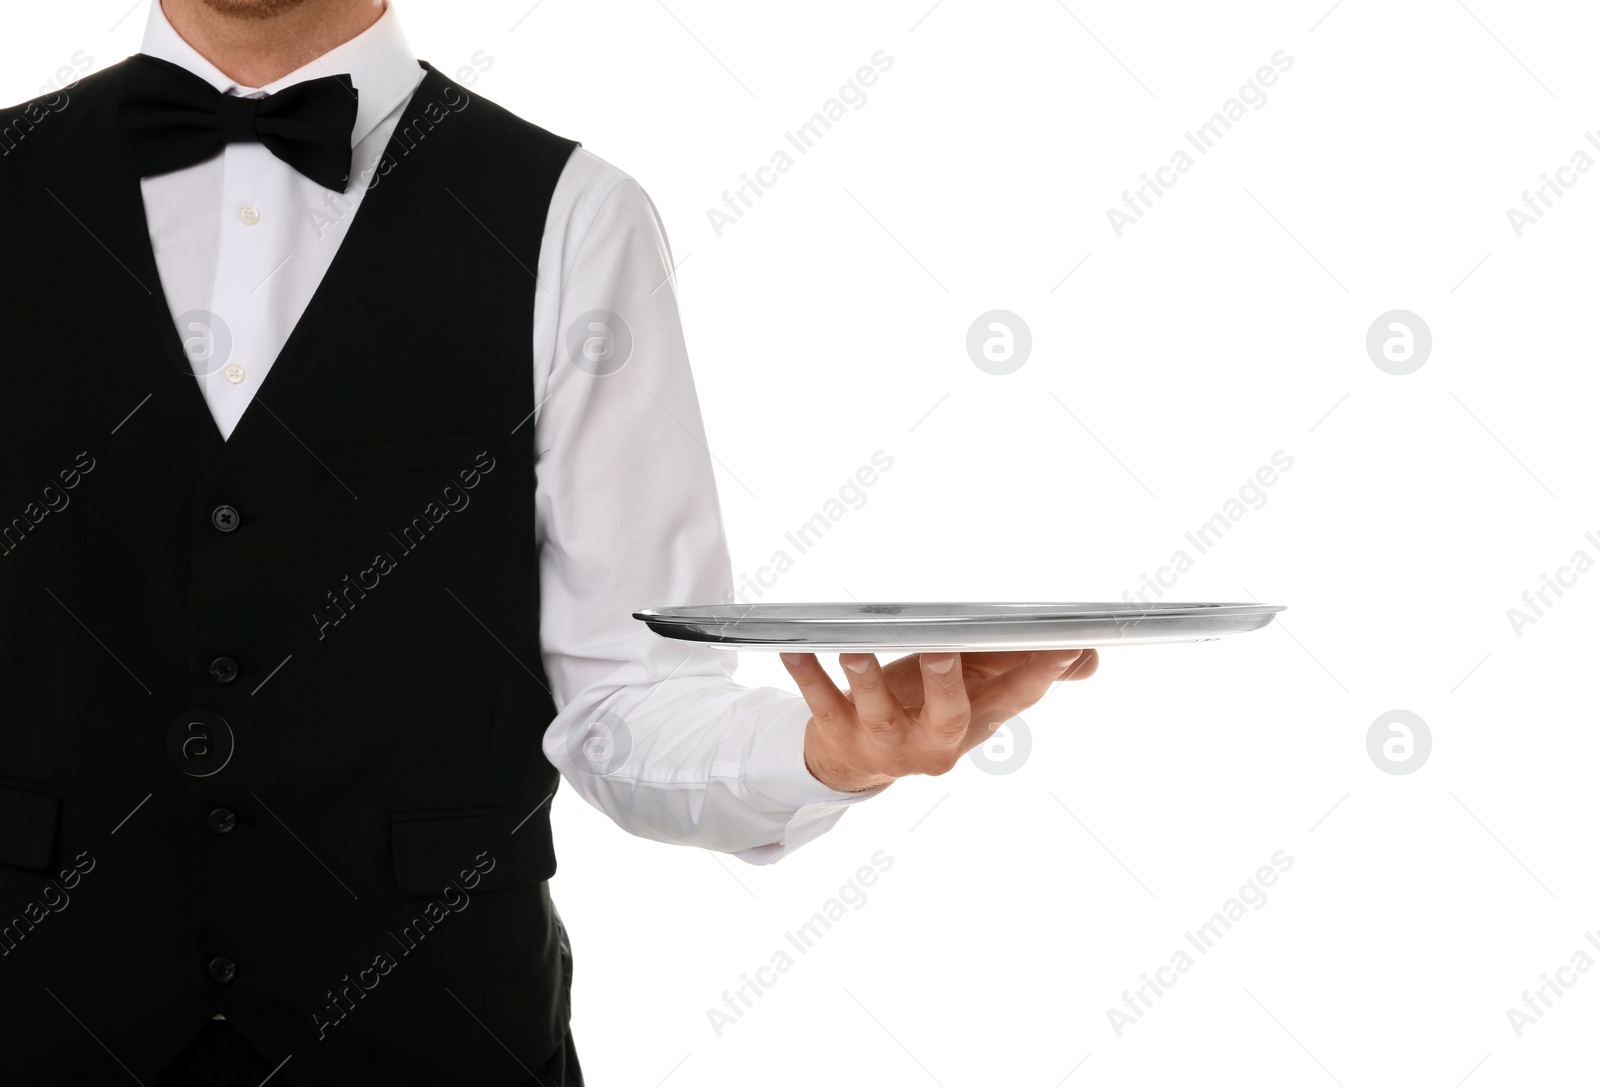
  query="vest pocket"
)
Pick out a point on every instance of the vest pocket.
point(478, 849)
point(471, 452)
point(27, 827)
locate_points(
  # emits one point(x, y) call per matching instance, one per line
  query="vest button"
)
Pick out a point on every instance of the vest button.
point(221, 969)
point(224, 670)
point(225, 518)
point(223, 821)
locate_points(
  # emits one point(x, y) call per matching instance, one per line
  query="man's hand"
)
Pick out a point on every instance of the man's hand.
point(921, 713)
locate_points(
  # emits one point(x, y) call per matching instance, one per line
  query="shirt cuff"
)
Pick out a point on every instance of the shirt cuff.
point(777, 764)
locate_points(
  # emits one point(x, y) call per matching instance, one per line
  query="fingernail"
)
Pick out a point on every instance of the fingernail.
point(856, 666)
point(1071, 666)
point(792, 658)
point(942, 665)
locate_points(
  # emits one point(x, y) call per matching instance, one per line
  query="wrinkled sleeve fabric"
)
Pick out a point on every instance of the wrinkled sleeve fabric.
point(654, 733)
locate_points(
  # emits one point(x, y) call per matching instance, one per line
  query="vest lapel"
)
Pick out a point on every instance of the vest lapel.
point(129, 242)
point(122, 230)
point(338, 299)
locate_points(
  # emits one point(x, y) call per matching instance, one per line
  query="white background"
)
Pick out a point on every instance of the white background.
point(1228, 324)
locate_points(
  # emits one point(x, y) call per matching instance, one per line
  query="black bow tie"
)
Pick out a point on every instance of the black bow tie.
point(172, 118)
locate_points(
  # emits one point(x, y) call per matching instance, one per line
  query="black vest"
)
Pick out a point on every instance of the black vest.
point(271, 709)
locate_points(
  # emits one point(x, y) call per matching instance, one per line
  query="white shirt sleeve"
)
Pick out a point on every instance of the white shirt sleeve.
point(653, 732)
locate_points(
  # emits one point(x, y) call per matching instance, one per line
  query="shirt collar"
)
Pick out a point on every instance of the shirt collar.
point(378, 60)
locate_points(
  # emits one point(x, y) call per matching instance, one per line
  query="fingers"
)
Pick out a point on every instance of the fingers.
point(1087, 665)
point(946, 711)
point(834, 714)
point(906, 674)
point(923, 712)
point(904, 678)
point(876, 707)
point(1004, 696)
point(991, 662)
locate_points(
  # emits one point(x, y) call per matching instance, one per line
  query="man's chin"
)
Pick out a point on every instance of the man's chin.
point(252, 9)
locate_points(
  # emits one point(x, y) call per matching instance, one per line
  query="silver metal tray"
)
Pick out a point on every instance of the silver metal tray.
point(973, 627)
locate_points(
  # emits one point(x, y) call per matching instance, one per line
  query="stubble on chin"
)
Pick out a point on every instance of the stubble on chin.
point(252, 9)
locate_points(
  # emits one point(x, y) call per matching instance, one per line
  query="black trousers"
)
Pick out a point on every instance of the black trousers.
point(220, 1057)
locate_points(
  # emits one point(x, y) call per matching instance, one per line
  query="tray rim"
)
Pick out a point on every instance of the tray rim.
point(678, 614)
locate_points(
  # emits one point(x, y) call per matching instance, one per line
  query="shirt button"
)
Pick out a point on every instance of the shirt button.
point(233, 372)
point(224, 670)
point(222, 821)
point(225, 518)
point(249, 216)
point(221, 969)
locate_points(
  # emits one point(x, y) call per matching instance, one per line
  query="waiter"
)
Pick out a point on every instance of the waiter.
point(345, 418)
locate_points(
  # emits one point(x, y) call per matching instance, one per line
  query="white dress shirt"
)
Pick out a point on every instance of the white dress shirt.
point(626, 510)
